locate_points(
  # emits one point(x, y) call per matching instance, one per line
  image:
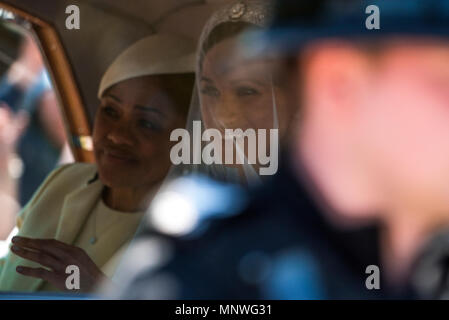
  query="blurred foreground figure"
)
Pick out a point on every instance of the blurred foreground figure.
point(360, 207)
point(29, 122)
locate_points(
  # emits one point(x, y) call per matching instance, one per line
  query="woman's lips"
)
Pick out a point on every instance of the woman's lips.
point(118, 156)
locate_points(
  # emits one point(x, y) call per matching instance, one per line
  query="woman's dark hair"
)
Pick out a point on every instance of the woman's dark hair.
point(222, 32)
point(228, 30)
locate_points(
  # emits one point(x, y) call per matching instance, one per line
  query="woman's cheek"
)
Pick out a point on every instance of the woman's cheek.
point(206, 103)
point(155, 161)
point(100, 129)
point(96, 137)
point(257, 114)
point(155, 147)
point(208, 120)
point(208, 109)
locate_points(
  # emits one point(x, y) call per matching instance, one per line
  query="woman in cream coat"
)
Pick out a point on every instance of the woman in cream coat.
point(84, 214)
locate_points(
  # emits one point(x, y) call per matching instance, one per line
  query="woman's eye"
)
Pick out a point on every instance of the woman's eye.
point(210, 91)
point(145, 124)
point(110, 112)
point(246, 91)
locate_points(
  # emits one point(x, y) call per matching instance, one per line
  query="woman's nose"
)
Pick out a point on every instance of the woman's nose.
point(228, 113)
point(121, 135)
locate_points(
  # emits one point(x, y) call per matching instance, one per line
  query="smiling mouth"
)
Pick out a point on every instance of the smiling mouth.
point(118, 156)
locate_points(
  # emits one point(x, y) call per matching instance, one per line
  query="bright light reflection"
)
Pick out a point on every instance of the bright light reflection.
point(174, 214)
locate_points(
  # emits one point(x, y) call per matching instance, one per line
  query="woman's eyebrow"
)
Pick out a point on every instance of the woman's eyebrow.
point(149, 109)
point(108, 95)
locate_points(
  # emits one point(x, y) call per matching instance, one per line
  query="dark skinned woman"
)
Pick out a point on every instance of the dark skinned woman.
point(86, 215)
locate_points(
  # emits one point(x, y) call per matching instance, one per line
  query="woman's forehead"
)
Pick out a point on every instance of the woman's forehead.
point(137, 84)
point(235, 63)
point(142, 91)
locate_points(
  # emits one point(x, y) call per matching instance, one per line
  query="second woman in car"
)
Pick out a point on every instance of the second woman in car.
point(83, 214)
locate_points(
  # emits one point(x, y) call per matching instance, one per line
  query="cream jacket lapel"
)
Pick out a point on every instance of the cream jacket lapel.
point(77, 207)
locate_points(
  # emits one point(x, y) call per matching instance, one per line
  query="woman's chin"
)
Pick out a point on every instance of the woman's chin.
point(115, 179)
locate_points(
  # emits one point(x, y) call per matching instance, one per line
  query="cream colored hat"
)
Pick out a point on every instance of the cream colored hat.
point(154, 55)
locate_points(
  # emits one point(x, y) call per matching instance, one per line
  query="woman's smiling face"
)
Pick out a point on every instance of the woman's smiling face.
point(237, 92)
point(131, 133)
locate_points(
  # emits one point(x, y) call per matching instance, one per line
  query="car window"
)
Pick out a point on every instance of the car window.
point(33, 137)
